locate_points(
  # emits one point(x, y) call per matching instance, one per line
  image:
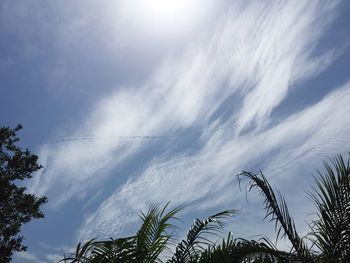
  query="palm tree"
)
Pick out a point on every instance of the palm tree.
point(152, 240)
point(151, 243)
point(330, 232)
point(240, 250)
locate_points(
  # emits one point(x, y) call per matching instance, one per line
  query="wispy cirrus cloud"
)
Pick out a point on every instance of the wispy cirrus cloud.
point(205, 180)
point(245, 70)
point(152, 104)
point(252, 57)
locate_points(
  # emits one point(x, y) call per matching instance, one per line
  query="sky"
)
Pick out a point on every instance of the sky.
point(130, 103)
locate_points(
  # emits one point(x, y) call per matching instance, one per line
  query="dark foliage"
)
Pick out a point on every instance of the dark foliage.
point(16, 206)
point(330, 232)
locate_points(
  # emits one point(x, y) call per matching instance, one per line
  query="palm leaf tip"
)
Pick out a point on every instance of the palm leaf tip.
point(276, 208)
point(155, 233)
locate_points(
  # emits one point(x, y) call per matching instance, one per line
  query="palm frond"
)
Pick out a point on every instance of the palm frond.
point(240, 250)
point(155, 233)
point(277, 210)
point(92, 251)
point(115, 250)
point(82, 253)
point(197, 240)
point(145, 247)
point(331, 196)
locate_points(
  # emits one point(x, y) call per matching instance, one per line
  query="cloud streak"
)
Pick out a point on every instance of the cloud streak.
point(252, 61)
point(246, 69)
point(305, 137)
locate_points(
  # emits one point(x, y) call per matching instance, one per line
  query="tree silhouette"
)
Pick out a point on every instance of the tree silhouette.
point(16, 206)
point(330, 231)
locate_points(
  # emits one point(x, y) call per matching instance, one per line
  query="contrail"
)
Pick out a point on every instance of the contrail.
point(133, 137)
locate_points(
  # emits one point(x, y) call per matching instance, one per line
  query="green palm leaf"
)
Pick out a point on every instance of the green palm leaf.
point(276, 208)
point(153, 236)
point(188, 250)
point(331, 196)
point(145, 247)
point(239, 250)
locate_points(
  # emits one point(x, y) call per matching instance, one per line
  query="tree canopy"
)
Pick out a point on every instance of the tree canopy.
point(17, 207)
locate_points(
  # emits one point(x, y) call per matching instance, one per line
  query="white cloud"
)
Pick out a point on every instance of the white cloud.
point(54, 258)
point(257, 61)
point(304, 139)
point(279, 49)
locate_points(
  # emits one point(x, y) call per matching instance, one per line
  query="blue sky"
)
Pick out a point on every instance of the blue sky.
point(131, 103)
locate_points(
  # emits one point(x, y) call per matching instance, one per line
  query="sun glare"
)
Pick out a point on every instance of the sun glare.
point(168, 6)
point(165, 18)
